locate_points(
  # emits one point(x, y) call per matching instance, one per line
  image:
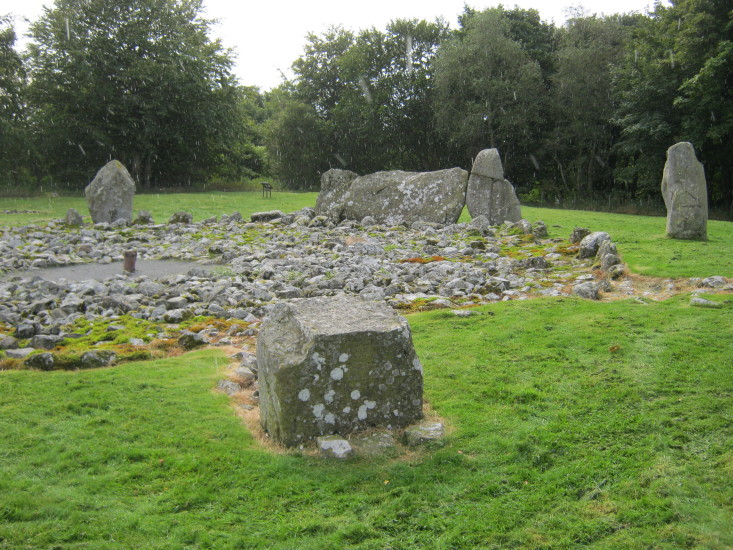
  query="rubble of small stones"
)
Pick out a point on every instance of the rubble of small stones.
point(255, 265)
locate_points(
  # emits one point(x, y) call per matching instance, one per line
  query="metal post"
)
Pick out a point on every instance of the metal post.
point(130, 258)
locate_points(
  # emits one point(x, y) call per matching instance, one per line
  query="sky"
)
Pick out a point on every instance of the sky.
point(268, 35)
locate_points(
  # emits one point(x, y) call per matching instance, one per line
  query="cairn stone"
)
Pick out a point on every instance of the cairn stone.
point(590, 244)
point(396, 197)
point(109, 195)
point(334, 185)
point(262, 217)
point(73, 218)
point(685, 194)
point(335, 366)
point(181, 217)
point(578, 234)
point(488, 193)
point(144, 217)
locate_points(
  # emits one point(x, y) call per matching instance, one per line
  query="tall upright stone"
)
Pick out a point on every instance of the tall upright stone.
point(109, 195)
point(335, 365)
point(488, 193)
point(685, 194)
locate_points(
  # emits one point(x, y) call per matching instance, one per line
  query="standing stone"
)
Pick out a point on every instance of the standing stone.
point(110, 194)
point(397, 197)
point(685, 194)
point(334, 185)
point(335, 366)
point(488, 193)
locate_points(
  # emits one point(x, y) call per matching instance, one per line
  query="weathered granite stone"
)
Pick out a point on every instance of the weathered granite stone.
point(685, 194)
point(591, 243)
point(190, 340)
point(539, 230)
point(716, 281)
point(702, 302)
point(374, 444)
point(334, 185)
point(110, 194)
point(588, 290)
point(18, 353)
point(181, 217)
point(336, 365)
point(397, 197)
point(425, 433)
point(143, 218)
point(73, 218)
point(488, 193)
point(98, 358)
point(44, 341)
point(334, 446)
point(8, 342)
point(43, 361)
point(578, 234)
point(270, 215)
point(229, 387)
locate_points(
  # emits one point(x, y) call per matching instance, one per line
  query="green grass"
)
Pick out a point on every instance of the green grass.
point(161, 206)
point(607, 425)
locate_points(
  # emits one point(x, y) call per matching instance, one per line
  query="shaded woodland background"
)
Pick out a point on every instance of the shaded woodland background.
point(582, 114)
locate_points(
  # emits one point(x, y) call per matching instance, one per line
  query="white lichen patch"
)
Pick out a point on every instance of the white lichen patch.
point(356, 394)
point(344, 357)
point(370, 404)
point(330, 419)
point(347, 410)
point(304, 394)
point(416, 364)
point(318, 410)
point(328, 397)
point(362, 414)
point(337, 373)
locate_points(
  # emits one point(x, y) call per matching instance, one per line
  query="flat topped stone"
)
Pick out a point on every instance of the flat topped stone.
point(336, 365)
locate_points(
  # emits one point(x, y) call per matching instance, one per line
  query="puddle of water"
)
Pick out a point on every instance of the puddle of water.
point(154, 269)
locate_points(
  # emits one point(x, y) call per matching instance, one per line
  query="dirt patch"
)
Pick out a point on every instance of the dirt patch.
point(83, 272)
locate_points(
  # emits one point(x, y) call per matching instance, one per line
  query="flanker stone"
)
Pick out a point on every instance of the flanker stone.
point(685, 194)
point(334, 185)
point(335, 366)
point(488, 193)
point(110, 194)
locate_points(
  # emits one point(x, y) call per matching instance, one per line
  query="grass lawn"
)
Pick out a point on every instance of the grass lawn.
point(576, 423)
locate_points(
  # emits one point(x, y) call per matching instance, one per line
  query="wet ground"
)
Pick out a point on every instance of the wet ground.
point(154, 269)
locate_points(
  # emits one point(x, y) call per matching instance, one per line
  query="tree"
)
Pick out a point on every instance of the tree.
point(136, 80)
point(490, 93)
point(16, 151)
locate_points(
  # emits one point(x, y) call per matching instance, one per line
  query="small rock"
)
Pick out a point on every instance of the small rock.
point(98, 358)
point(42, 361)
point(73, 218)
point(713, 282)
point(43, 341)
point(181, 217)
point(375, 444)
point(191, 340)
point(8, 342)
point(588, 290)
point(430, 433)
point(702, 302)
point(18, 353)
point(463, 312)
point(334, 446)
point(578, 234)
point(228, 387)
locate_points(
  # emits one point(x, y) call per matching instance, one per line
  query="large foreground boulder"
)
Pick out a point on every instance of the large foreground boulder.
point(685, 194)
point(488, 193)
point(110, 194)
point(334, 185)
point(397, 197)
point(335, 365)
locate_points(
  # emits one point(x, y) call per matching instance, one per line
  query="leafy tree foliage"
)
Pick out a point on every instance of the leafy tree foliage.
point(135, 80)
point(16, 151)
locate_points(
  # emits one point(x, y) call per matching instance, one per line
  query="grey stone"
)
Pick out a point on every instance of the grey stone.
point(488, 193)
point(229, 387)
point(27, 330)
point(184, 218)
point(262, 217)
point(588, 290)
point(18, 353)
point(42, 361)
point(98, 358)
point(245, 376)
point(44, 341)
point(425, 433)
point(608, 261)
point(143, 218)
point(539, 230)
point(334, 185)
point(397, 197)
point(190, 340)
point(374, 444)
point(578, 234)
point(8, 342)
point(590, 244)
point(685, 194)
point(336, 365)
point(715, 281)
point(334, 446)
point(110, 194)
point(702, 302)
point(73, 218)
